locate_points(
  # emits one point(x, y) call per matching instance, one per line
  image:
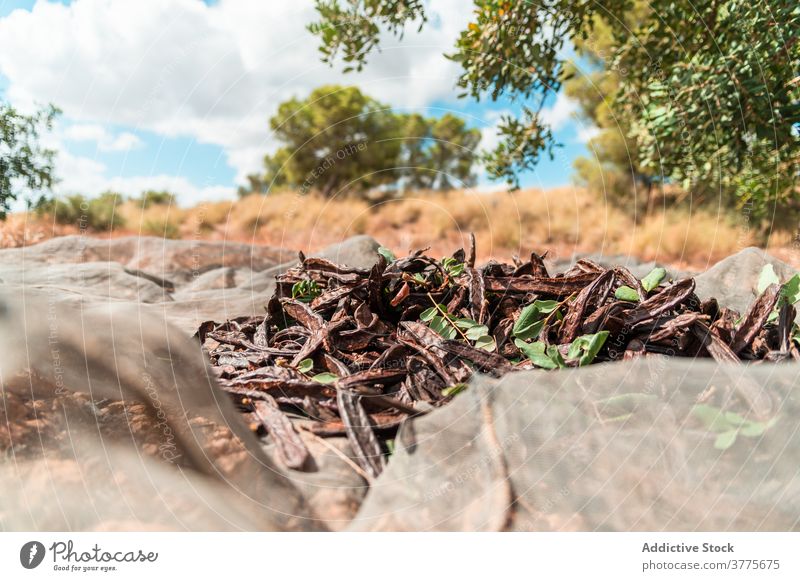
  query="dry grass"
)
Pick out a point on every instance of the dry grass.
point(562, 221)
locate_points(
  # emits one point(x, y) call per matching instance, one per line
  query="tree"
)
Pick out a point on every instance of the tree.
point(336, 137)
point(613, 167)
point(340, 139)
point(24, 164)
point(709, 90)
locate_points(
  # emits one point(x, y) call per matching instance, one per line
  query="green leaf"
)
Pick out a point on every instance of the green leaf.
point(476, 332)
point(791, 289)
point(443, 327)
point(454, 389)
point(428, 314)
point(531, 319)
point(305, 366)
point(725, 440)
point(734, 419)
point(626, 293)
point(653, 278)
point(766, 278)
point(390, 446)
point(555, 356)
point(452, 267)
point(387, 254)
point(536, 353)
point(486, 342)
point(325, 378)
point(586, 347)
point(753, 429)
point(465, 323)
point(712, 417)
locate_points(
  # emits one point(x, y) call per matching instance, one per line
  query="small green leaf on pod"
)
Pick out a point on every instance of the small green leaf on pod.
point(325, 378)
point(626, 293)
point(653, 279)
point(387, 254)
point(305, 366)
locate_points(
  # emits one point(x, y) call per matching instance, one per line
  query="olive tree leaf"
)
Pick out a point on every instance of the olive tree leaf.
point(653, 278)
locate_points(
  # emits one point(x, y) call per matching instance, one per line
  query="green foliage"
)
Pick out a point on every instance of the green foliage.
point(626, 293)
point(161, 226)
point(701, 95)
point(339, 139)
point(649, 283)
point(653, 279)
point(306, 290)
point(100, 213)
point(451, 327)
point(305, 366)
point(325, 378)
point(582, 351)
point(387, 254)
point(154, 198)
point(350, 28)
point(715, 108)
point(790, 290)
point(729, 425)
point(24, 164)
point(532, 319)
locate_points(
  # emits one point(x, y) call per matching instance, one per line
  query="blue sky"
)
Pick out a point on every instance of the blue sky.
point(177, 93)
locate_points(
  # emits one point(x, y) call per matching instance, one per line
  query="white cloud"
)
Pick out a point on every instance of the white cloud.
point(87, 176)
point(561, 113)
point(105, 140)
point(215, 73)
point(587, 132)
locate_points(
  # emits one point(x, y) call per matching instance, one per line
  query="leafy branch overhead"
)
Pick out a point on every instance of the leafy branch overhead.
point(25, 166)
point(704, 95)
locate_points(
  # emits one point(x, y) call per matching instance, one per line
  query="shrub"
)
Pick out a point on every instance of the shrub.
point(100, 213)
point(155, 198)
